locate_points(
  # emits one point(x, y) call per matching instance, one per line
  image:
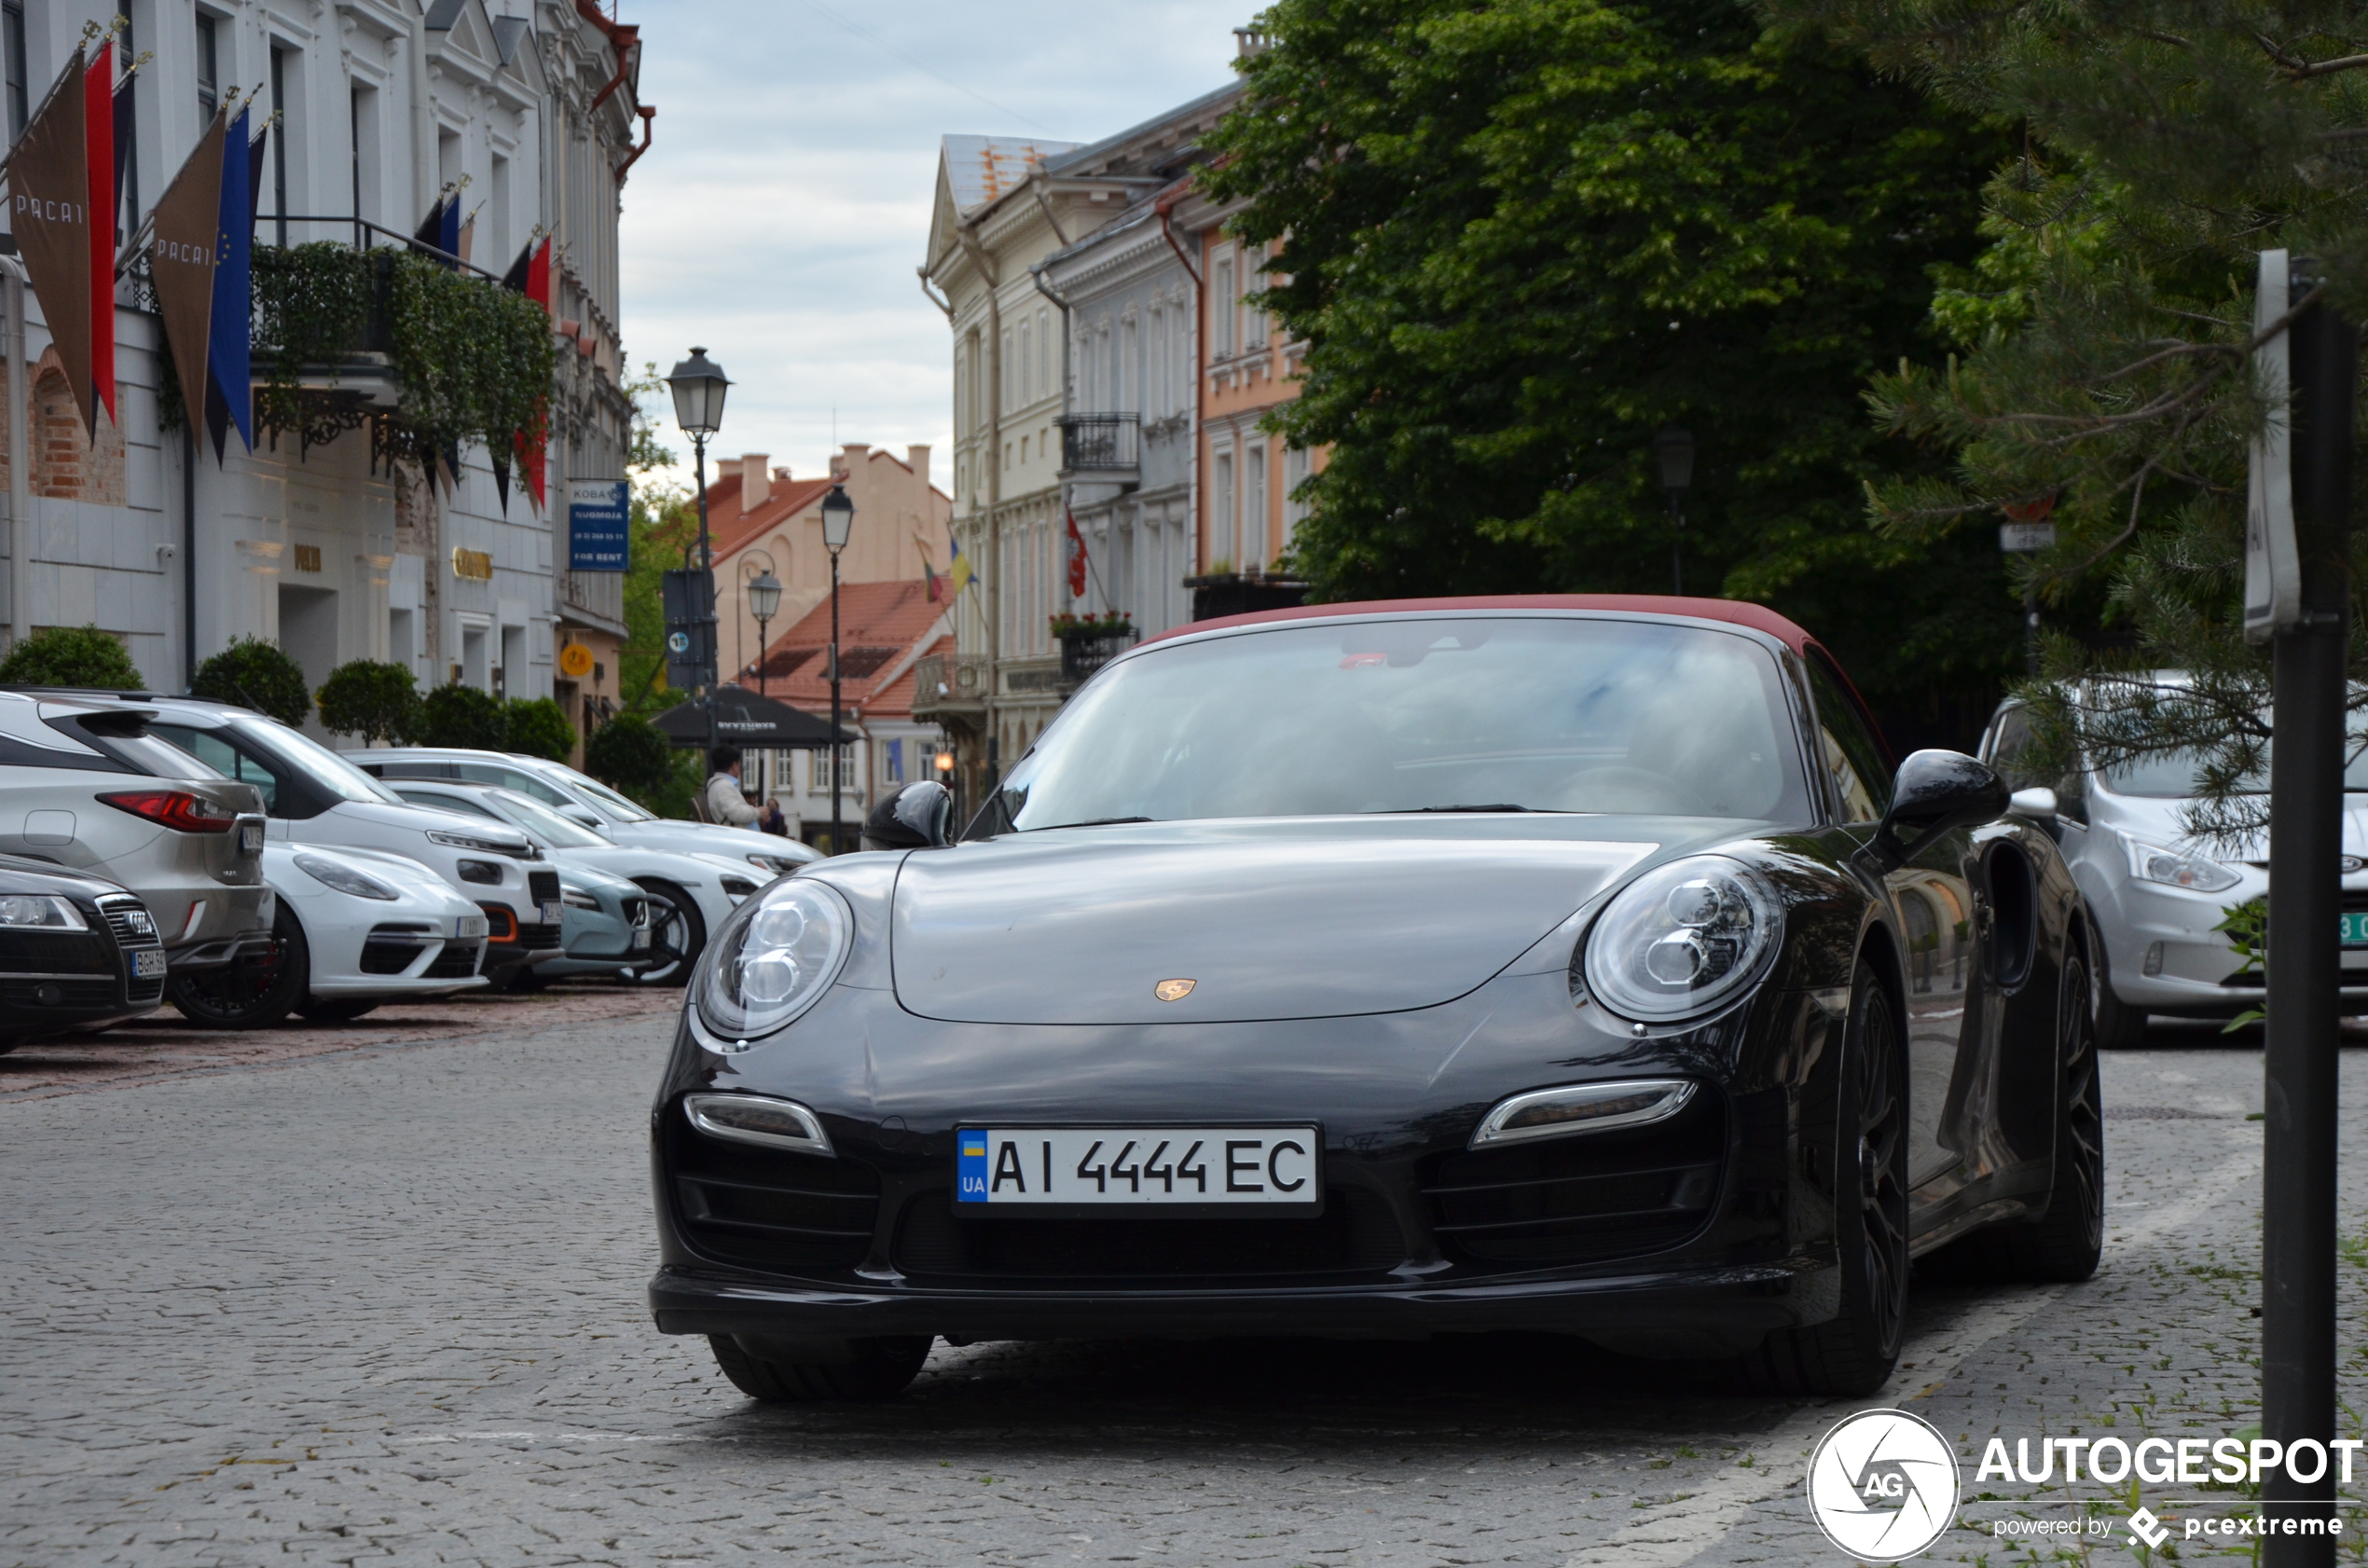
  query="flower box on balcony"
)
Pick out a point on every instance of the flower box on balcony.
point(1088, 642)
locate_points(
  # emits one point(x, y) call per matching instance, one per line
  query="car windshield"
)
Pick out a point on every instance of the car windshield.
point(301, 753)
point(2171, 776)
point(607, 800)
point(1428, 714)
point(545, 823)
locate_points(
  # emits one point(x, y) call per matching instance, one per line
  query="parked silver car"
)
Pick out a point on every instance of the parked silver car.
point(2154, 893)
point(87, 787)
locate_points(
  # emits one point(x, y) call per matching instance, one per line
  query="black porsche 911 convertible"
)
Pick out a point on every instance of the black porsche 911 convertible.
point(1380, 970)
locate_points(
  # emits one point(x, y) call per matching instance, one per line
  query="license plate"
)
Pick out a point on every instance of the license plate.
point(250, 838)
point(1040, 1170)
point(148, 965)
point(2356, 928)
point(551, 912)
point(640, 937)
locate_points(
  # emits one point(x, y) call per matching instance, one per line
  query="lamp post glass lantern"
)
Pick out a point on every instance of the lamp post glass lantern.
point(838, 524)
point(764, 599)
point(700, 385)
point(1674, 447)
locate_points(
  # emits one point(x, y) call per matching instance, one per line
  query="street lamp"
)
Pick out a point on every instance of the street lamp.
point(699, 384)
point(839, 521)
point(1674, 447)
point(765, 598)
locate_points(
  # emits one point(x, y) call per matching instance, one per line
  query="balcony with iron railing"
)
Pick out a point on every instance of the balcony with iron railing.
point(1101, 447)
point(950, 686)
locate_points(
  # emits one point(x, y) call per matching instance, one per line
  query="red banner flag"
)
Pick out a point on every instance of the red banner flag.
point(98, 130)
point(1077, 559)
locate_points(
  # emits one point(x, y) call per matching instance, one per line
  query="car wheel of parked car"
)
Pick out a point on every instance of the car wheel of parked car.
point(870, 1369)
point(524, 981)
point(1854, 1352)
point(675, 946)
point(336, 1010)
point(2119, 1026)
point(253, 993)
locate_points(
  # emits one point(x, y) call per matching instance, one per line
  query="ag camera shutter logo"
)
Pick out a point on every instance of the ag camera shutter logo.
point(1883, 1485)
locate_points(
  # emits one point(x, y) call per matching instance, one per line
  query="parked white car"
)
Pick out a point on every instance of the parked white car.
point(700, 889)
point(586, 801)
point(360, 927)
point(2154, 893)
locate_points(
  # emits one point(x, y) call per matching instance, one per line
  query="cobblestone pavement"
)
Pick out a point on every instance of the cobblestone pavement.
point(385, 1306)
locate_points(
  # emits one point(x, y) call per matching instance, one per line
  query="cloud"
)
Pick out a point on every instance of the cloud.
point(784, 202)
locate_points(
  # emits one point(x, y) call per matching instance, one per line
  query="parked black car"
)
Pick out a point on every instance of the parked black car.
point(1567, 964)
point(76, 952)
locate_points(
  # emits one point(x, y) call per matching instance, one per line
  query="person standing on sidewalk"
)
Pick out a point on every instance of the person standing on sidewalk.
point(724, 801)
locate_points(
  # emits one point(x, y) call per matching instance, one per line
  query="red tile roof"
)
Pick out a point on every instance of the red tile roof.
point(879, 624)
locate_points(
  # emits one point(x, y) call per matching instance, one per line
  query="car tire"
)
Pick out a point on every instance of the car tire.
point(1853, 1353)
point(676, 947)
point(524, 981)
point(336, 1010)
point(873, 1369)
point(2065, 1243)
point(2119, 1026)
point(250, 995)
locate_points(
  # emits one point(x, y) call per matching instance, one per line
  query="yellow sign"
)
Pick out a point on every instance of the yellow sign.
point(308, 558)
point(576, 661)
point(475, 565)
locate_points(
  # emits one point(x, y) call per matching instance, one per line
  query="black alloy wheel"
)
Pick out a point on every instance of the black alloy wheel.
point(676, 939)
point(861, 1371)
point(337, 1010)
point(1853, 1353)
point(255, 991)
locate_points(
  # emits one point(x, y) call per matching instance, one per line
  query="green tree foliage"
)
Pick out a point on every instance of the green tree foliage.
point(1521, 238)
point(71, 656)
point(662, 524)
point(631, 754)
point(537, 727)
point(458, 715)
point(2103, 339)
point(255, 674)
point(379, 702)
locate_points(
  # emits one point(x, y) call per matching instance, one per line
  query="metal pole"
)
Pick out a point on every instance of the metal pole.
point(188, 550)
point(19, 464)
point(2305, 806)
point(837, 758)
point(707, 600)
point(762, 621)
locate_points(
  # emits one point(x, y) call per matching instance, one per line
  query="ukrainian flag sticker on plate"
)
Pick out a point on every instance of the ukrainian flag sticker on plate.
point(969, 1167)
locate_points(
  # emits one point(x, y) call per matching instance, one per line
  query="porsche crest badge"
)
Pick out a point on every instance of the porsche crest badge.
point(1171, 990)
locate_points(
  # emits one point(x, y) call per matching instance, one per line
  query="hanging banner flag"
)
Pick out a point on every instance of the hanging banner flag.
point(1077, 559)
point(187, 222)
point(98, 131)
point(49, 205)
point(530, 275)
point(255, 149)
point(958, 574)
point(229, 357)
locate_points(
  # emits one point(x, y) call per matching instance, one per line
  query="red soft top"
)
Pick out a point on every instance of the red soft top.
point(1736, 612)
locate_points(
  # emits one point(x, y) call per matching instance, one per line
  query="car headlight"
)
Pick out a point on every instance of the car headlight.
point(777, 958)
point(779, 865)
point(576, 898)
point(484, 845)
point(40, 912)
point(1684, 938)
point(2173, 868)
point(344, 879)
point(737, 887)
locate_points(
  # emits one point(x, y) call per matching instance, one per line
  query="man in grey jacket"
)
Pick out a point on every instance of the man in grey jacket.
point(724, 803)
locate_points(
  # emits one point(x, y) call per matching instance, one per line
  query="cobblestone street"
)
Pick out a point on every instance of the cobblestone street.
point(385, 1306)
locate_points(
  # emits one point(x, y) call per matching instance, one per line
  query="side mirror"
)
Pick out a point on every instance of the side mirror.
point(2038, 803)
point(1935, 793)
point(918, 815)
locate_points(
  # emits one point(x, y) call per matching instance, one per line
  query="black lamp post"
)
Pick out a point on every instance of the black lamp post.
point(765, 598)
point(838, 522)
point(1674, 447)
point(700, 385)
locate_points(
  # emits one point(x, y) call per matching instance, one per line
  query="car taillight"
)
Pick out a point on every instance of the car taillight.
point(177, 809)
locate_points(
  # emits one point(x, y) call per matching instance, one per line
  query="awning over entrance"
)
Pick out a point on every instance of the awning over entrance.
point(745, 720)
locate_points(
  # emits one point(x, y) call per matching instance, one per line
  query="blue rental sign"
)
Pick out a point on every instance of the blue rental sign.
point(597, 510)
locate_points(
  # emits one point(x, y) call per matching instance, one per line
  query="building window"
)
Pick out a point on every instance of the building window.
point(1294, 475)
point(12, 64)
point(279, 134)
point(126, 141)
point(1221, 307)
point(1221, 522)
point(1027, 364)
point(1254, 507)
point(892, 766)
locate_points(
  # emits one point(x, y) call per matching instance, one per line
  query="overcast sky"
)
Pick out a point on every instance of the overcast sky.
point(785, 199)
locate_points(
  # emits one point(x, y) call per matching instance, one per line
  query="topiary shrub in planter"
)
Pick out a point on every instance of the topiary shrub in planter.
point(377, 702)
point(71, 656)
point(631, 754)
point(539, 727)
point(255, 674)
point(458, 715)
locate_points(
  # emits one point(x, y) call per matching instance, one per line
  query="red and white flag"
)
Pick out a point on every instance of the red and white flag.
point(1077, 559)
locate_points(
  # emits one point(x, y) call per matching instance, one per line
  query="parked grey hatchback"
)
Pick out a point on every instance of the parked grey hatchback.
point(87, 788)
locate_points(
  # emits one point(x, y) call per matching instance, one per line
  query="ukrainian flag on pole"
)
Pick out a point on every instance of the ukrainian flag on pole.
point(959, 573)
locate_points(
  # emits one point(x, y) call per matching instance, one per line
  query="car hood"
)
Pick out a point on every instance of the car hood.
point(1269, 919)
point(427, 819)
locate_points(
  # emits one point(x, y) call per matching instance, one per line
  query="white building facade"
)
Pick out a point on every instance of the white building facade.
point(528, 106)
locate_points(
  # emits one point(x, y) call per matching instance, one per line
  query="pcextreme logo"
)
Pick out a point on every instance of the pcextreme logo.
point(1883, 1485)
